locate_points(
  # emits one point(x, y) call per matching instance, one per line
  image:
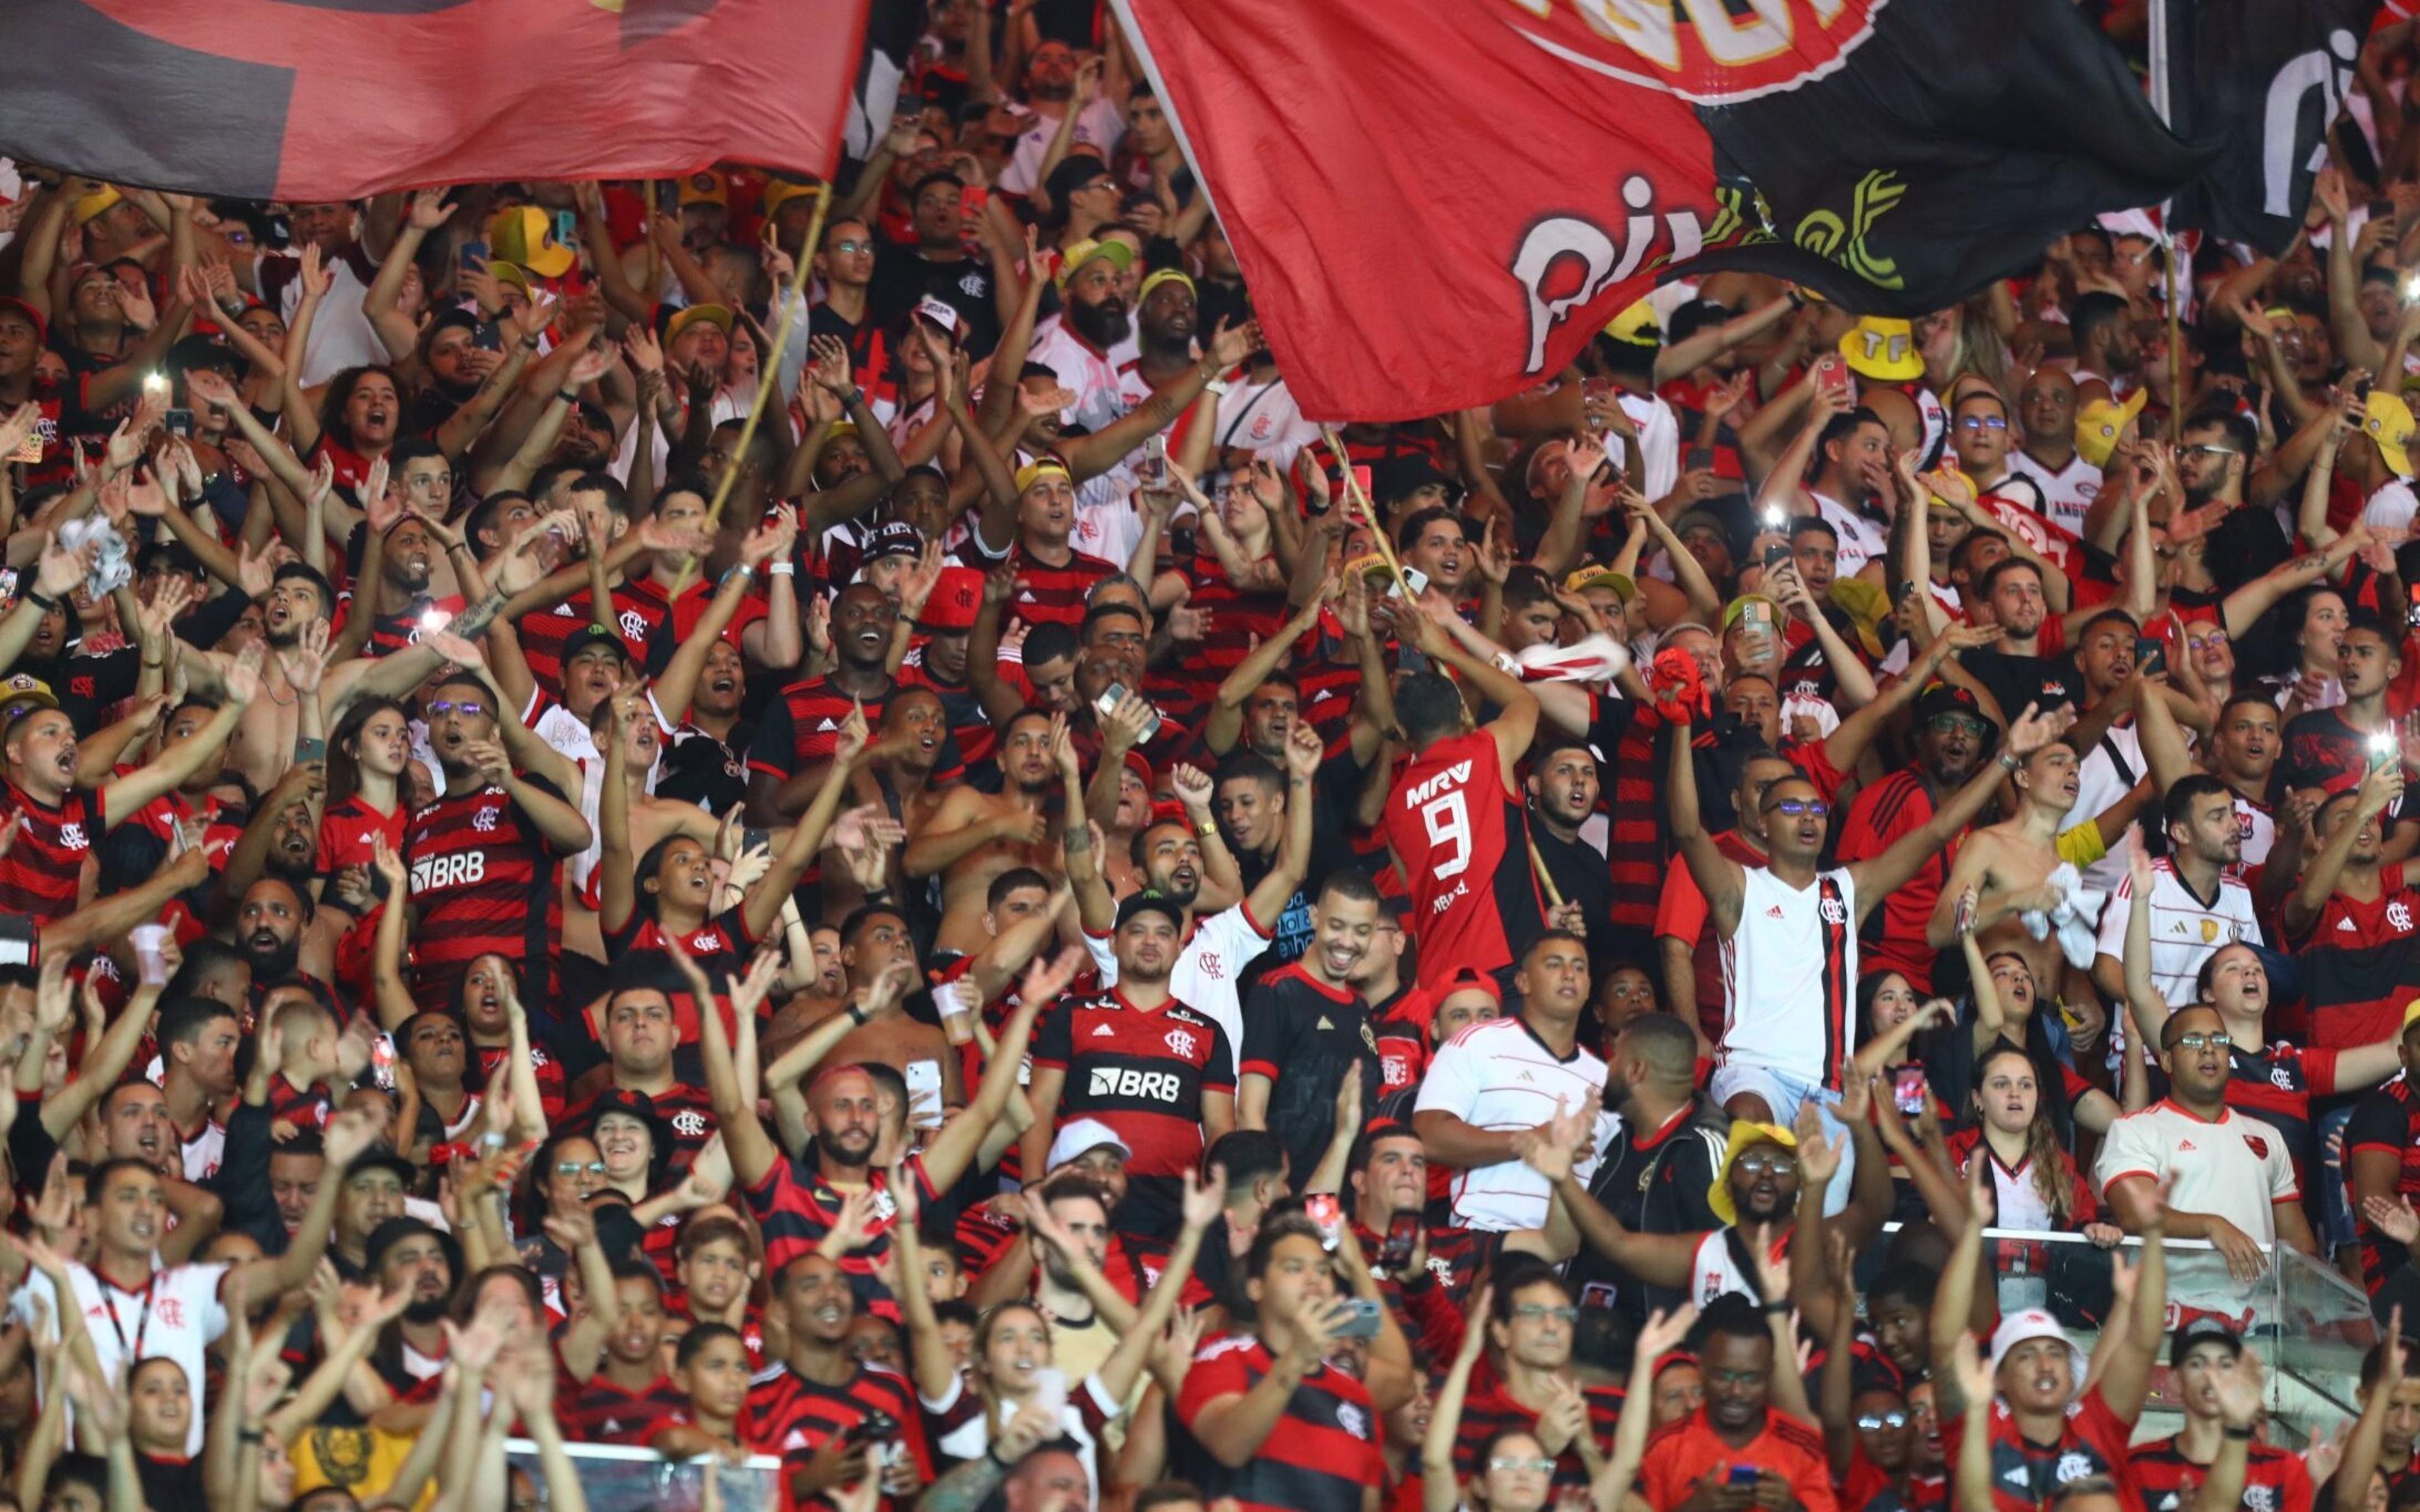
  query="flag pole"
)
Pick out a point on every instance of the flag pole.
point(2158, 50)
point(1353, 496)
point(768, 383)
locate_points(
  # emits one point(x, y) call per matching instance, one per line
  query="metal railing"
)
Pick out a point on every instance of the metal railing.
point(623, 1479)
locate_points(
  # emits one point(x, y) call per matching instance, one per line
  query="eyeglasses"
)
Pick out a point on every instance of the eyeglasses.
point(1768, 1165)
point(1960, 722)
point(1983, 423)
point(467, 708)
point(1796, 808)
point(1537, 1467)
point(2211, 449)
point(1735, 1378)
point(1875, 1421)
point(573, 1167)
point(2198, 1041)
point(852, 245)
point(1533, 1312)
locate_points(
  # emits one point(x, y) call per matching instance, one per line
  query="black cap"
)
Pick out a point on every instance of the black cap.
point(380, 1158)
point(1150, 901)
point(2203, 1332)
point(896, 539)
point(396, 1230)
point(1399, 477)
point(638, 1106)
point(592, 634)
point(1074, 172)
point(1946, 698)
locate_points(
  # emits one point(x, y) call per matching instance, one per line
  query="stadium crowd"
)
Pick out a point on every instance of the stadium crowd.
point(589, 765)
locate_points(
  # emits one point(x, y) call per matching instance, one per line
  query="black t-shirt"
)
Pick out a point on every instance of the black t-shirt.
point(1656, 1182)
point(1580, 871)
point(85, 687)
point(903, 276)
point(710, 773)
point(2318, 748)
point(2048, 682)
point(1307, 1037)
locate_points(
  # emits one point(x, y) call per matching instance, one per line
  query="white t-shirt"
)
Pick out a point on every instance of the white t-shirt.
point(2067, 493)
point(1499, 1076)
point(1861, 540)
point(1776, 1010)
point(1659, 441)
point(1096, 377)
point(2235, 1168)
point(2108, 773)
point(177, 1318)
point(1262, 418)
point(1101, 125)
point(2391, 507)
point(341, 335)
point(2186, 930)
point(1204, 979)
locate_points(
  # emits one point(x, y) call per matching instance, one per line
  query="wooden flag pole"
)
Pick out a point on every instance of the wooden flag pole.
point(768, 382)
point(1353, 495)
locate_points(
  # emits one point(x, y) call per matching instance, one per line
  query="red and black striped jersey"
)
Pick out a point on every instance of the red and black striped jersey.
point(402, 629)
point(2358, 967)
point(720, 947)
point(793, 1417)
point(1143, 1073)
point(686, 1109)
point(1047, 594)
point(599, 1411)
point(2388, 1120)
point(2091, 1442)
point(1490, 1410)
point(1321, 1456)
point(803, 726)
point(795, 1207)
point(1238, 622)
point(483, 883)
point(42, 874)
point(549, 1069)
point(969, 725)
point(644, 607)
point(2275, 1085)
point(2170, 1481)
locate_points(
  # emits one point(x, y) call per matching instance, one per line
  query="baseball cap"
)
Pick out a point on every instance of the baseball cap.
point(41, 327)
point(1693, 519)
point(1150, 901)
point(1081, 1137)
point(1883, 348)
point(2387, 421)
point(939, 312)
point(380, 1158)
point(525, 235)
point(1039, 469)
point(705, 188)
point(394, 1232)
point(22, 694)
point(2032, 1323)
point(1470, 978)
point(1945, 698)
point(89, 207)
point(1085, 251)
point(1399, 477)
point(1589, 574)
point(896, 539)
point(2099, 422)
point(1164, 275)
point(510, 275)
point(2200, 1332)
point(1636, 326)
point(780, 192)
point(956, 595)
point(717, 315)
point(592, 634)
point(1745, 1131)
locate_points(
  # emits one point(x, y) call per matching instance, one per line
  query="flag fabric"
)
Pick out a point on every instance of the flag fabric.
point(2261, 79)
point(892, 28)
point(338, 99)
point(1435, 206)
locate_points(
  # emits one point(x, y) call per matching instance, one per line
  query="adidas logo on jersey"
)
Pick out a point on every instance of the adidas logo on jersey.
point(1102, 1032)
point(1773, 912)
point(2345, 926)
point(826, 725)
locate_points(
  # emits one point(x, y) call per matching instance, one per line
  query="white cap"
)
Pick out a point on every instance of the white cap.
point(1079, 1136)
point(2033, 1324)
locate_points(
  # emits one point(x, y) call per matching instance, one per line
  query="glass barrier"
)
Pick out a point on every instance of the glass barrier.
point(2310, 1325)
point(620, 1480)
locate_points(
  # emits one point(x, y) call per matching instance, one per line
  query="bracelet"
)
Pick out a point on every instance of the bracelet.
point(2008, 761)
point(1775, 1310)
point(784, 568)
point(529, 343)
point(568, 396)
point(458, 546)
point(2238, 1435)
point(857, 1014)
point(257, 1435)
point(854, 397)
point(40, 600)
point(1207, 829)
point(877, 895)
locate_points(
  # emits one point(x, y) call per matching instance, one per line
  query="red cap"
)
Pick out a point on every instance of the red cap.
point(1142, 767)
point(41, 327)
point(956, 595)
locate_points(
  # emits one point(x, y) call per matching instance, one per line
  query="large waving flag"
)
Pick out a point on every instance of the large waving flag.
point(320, 100)
point(1436, 203)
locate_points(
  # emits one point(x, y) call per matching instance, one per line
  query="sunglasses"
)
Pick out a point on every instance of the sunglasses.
point(468, 708)
point(1533, 1312)
point(2198, 1041)
point(1875, 1421)
point(573, 1167)
point(1983, 423)
point(852, 246)
point(1769, 1164)
point(1540, 1466)
point(1799, 807)
point(2211, 449)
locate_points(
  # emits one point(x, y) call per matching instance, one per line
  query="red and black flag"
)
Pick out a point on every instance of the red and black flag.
point(325, 100)
point(1436, 205)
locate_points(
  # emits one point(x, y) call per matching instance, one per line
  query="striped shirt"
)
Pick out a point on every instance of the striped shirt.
point(483, 884)
point(793, 1417)
point(1321, 1456)
point(795, 1207)
point(42, 874)
point(1498, 1075)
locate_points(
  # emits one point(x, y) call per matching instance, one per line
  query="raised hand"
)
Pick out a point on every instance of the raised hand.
point(242, 676)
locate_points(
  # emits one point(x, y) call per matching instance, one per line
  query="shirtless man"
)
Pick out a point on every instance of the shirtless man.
point(2007, 866)
point(897, 772)
point(974, 836)
point(871, 940)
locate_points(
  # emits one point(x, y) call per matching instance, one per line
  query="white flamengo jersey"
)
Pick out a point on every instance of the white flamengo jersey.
point(1789, 975)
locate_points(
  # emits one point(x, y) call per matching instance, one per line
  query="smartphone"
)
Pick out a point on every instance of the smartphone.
point(872, 1427)
point(567, 227)
point(1907, 1089)
point(972, 201)
point(1108, 700)
point(2384, 750)
point(474, 250)
point(1322, 1209)
point(2411, 607)
point(1832, 375)
point(30, 450)
point(2151, 655)
point(1402, 1237)
point(180, 422)
point(1363, 1324)
point(487, 337)
point(1362, 478)
point(1744, 1476)
point(1153, 474)
point(1050, 1390)
point(382, 1061)
point(1417, 580)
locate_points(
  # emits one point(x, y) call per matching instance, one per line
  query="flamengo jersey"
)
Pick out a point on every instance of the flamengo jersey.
point(1143, 1073)
point(482, 883)
point(42, 874)
point(1452, 823)
point(1322, 1453)
point(1498, 1075)
point(1788, 976)
point(2186, 930)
